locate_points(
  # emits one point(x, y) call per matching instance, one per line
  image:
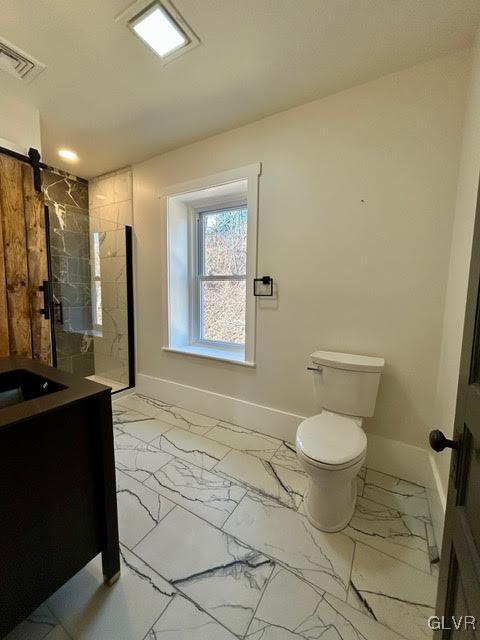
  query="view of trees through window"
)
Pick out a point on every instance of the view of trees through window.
point(222, 254)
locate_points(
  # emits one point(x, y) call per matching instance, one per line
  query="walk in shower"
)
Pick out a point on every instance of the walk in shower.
point(91, 300)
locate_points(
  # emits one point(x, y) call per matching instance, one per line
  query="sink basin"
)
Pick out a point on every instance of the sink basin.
point(21, 385)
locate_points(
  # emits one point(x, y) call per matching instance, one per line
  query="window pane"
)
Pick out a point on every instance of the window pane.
point(223, 311)
point(225, 242)
point(98, 302)
point(96, 254)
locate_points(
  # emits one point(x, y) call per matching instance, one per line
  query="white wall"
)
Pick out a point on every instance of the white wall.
point(453, 319)
point(19, 124)
point(356, 201)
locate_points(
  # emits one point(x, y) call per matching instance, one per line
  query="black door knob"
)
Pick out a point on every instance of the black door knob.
point(439, 442)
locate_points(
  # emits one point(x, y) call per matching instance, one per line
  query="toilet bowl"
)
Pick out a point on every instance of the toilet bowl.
point(331, 449)
point(332, 445)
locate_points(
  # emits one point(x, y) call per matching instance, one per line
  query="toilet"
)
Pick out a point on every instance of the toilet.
point(332, 445)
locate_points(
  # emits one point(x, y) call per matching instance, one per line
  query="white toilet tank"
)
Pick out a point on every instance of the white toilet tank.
point(346, 383)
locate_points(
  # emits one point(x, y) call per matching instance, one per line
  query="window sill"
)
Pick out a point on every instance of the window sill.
point(212, 353)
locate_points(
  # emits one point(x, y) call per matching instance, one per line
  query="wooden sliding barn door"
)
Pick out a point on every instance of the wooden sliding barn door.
point(24, 330)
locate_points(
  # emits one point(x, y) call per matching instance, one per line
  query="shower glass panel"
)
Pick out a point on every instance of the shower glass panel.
point(90, 273)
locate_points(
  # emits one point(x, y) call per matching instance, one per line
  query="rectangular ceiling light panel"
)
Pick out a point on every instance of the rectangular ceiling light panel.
point(161, 27)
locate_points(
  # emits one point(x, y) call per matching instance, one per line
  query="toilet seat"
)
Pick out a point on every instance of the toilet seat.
point(332, 440)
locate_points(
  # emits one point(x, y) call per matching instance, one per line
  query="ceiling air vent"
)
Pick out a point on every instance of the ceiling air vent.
point(18, 63)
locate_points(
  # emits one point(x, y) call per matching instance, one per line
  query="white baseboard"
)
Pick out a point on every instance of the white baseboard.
point(273, 422)
point(437, 499)
point(398, 459)
point(388, 456)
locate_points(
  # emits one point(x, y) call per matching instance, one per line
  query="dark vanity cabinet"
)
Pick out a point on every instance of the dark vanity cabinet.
point(57, 484)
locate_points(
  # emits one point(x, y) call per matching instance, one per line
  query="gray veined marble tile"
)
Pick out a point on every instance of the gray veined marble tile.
point(256, 444)
point(273, 481)
point(202, 492)
point(90, 610)
point(226, 579)
point(123, 415)
point(183, 620)
point(37, 626)
point(191, 447)
point(286, 456)
point(324, 559)
point(140, 509)
point(178, 417)
point(175, 416)
point(138, 459)
point(361, 481)
point(140, 426)
point(140, 403)
point(391, 532)
point(401, 495)
point(393, 593)
point(292, 609)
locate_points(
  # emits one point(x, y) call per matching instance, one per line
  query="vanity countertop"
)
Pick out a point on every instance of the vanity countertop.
point(75, 389)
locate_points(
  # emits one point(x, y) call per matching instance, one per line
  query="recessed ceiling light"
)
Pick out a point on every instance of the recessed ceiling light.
point(68, 154)
point(158, 29)
point(159, 25)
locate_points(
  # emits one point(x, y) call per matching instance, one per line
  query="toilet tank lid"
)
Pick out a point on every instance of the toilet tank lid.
point(348, 361)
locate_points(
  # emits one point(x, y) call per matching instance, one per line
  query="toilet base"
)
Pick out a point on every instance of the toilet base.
point(331, 495)
point(333, 528)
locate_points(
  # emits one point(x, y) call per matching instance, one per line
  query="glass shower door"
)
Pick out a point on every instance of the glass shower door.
point(90, 261)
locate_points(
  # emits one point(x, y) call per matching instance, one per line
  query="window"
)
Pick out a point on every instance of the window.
point(220, 292)
point(97, 282)
point(211, 263)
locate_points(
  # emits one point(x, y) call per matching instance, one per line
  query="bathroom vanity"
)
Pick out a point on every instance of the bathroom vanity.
point(57, 484)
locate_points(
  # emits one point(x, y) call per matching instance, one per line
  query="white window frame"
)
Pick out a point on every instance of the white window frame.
point(186, 340)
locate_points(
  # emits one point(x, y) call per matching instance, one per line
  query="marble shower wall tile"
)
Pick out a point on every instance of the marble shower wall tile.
point(65, 189)
point(67, 200)
point(111, 208)
point(291, 608)
point(226, 579)
point(108, 190)
point(322, 559)
point(391, 592)
point(204, 493)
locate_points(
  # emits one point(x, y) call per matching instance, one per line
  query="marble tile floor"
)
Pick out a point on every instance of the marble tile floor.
point(216, 546)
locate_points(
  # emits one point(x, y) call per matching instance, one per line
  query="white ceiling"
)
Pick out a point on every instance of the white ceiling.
point(106, 95)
